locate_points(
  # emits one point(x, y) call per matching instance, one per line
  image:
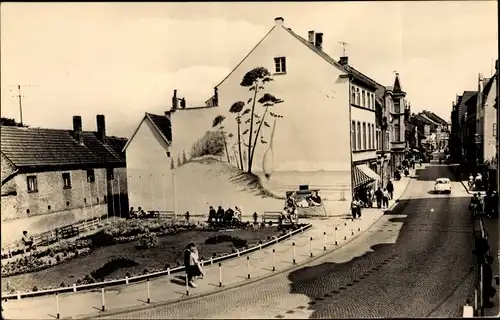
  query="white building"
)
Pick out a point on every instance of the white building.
point(328, 110)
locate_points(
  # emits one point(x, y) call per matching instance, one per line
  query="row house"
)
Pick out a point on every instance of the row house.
point(326, 123)
point(53, 177)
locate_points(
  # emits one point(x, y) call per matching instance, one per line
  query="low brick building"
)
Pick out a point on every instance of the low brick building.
point(53, 177)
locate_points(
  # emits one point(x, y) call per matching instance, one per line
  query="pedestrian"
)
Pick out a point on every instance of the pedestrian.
point(378, 196)
point(385, 199)
point(239, 213)
point(220, 215)
point(360, 208)
point(354, 207)
point(187, 216)
point(192, 265)
point(390, 189)
point(211, 215)
point(369, 198)
point(255, 217)
point(28, 240)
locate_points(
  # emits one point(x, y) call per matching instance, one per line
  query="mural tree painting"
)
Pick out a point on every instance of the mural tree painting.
point(218, 123)
point(236, 108)
point(255, 80)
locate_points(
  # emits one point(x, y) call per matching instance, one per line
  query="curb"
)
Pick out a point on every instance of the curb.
point(241, 284)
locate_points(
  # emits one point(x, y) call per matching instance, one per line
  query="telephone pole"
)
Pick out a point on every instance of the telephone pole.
point(19, 96)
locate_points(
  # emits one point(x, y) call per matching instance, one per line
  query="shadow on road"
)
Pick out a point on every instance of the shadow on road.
point(427, 247)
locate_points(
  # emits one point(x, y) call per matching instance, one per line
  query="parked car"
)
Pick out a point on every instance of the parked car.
point(442, 185)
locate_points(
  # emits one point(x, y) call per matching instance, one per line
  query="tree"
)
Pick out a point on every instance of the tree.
point(218, 123)
point(236, 108)
point(255, 80)
point(184, 158)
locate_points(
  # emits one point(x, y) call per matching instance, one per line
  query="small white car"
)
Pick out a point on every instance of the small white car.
point(442, 185)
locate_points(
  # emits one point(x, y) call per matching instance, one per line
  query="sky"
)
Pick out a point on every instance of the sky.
point(123, 59)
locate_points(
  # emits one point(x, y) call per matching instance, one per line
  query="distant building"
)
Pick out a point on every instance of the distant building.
point(60, 176)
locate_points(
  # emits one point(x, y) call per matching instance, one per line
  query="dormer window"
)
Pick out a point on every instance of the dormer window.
point(280, 64)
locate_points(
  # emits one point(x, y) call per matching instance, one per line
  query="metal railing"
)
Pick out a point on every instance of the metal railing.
point(75, 288)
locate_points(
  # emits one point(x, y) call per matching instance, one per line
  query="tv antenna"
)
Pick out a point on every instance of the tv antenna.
point(344, 44)
point(20, 97)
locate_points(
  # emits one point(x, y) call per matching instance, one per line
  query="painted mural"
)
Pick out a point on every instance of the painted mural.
point(228, 155)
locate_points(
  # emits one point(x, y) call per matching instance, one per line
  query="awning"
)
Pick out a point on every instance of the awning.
point(369, 172)
point(359, 178)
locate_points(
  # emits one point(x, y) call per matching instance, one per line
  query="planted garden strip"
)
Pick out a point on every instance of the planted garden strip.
point(150, 275)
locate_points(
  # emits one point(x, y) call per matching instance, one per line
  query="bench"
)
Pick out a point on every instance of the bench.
point(272, 216)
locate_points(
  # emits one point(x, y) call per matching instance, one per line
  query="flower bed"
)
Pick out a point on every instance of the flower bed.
point(69, 262)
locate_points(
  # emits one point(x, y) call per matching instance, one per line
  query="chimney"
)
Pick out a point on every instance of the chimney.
point(216, 97)
point(343, 60)
point(319, 40)
point(278, 22)
point(101, 127)
point(77, 129)
point(311, 37)
point(175, 100)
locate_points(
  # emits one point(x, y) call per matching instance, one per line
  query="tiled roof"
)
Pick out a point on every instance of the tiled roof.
point(32, 147)
point(162, 123)
point(461, 104)
point(349, 69)
point(487, 87)
point(434, 117)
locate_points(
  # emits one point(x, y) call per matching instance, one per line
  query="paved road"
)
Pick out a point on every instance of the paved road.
point(414, 262)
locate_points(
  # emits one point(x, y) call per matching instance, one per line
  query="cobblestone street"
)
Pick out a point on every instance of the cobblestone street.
point(414, 262)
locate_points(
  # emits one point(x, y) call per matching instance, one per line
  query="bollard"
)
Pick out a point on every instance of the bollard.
point(220, 274)
point(475, 301)
point(168, 271)
point(293, 251)
point(211, 261)
point(260, 246)
point(248, 267)
point(126, 279)
point(149, 293)
point(238, 252)
point(311, 246)
point(324, 247)
point(335, 235)
point(58, 315)
point(187, 285)
point(74, 287)
point(345, 237)
point(352, 232)
point(274, 252)
point(19, 295)
point(103, 301)
point(359, 229)
point(345, 223)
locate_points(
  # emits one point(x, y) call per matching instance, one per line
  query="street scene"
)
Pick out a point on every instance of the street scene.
point(249, 160)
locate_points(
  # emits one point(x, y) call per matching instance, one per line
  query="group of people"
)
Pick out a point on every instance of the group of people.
point(224, 217)
point(194, 269)
point(487, 204)
point(381, 196)
point(476, 181)
point(137, 214)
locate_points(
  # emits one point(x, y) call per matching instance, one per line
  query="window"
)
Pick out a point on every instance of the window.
point(357, 96)
point(66, 180)
point(373, 137)
point(369, 136)
point(397, 107)
point(90, 175)
point(110, 174)
point(353, 135)
point(364, 137)
point(353, 94)
point(363, 98)
point(359, 136)
point(397, 131)
point(32, 184)
point(372, 98)
point(280, 64)
point(377, 140)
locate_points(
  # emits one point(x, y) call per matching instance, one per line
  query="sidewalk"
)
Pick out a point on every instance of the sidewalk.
point(235, 272)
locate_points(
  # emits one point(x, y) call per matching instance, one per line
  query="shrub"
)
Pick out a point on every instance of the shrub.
point(127, 275)
point(35, 288)
point(111, 266)
point(58, 258)
point(212, 143)
point(145, 271)
point(62, 284)
point(146, 241)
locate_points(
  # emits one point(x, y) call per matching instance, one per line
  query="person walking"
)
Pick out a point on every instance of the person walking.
point(378, 196)
point(390, 189)
point(385, 199)
point(354, 207)
point(192, 265)
point(488, 290)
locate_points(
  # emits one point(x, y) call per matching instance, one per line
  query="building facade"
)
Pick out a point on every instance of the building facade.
point(55, 177)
